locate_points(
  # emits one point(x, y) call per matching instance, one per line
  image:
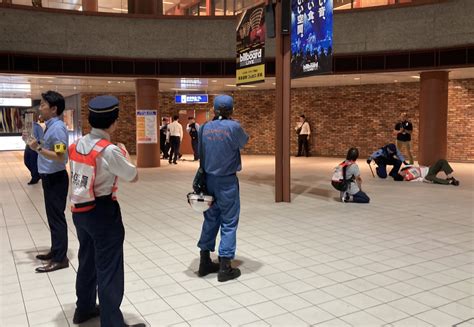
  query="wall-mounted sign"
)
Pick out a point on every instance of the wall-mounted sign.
point(251, 46)
point(191, 98)
point(15, 102)
point(311, 37)
point(147, 126)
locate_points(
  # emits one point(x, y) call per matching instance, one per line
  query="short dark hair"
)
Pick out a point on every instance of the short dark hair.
point(103, 121)
point(352, 154)
point(54, 99)
point(175, 117)
point(302, 116)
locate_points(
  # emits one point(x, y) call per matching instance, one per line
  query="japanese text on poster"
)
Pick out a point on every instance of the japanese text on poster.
point(147, 128)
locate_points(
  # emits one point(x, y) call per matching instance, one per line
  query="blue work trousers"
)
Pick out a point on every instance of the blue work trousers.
point(101, 235)
point(223, 214)
point(382, 164)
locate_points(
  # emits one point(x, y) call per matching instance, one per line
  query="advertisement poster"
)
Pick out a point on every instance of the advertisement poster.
point(251, 46)
point(147, 128)
point(311, 37)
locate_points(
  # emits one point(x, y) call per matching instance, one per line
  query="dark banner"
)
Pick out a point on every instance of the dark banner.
point(311, 37)
point(251, 46)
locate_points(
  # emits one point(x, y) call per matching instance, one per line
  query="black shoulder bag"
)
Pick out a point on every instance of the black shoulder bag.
point(199, 182)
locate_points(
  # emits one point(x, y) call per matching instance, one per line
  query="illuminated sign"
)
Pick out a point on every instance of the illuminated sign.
point(15, 102)
point(191, 98)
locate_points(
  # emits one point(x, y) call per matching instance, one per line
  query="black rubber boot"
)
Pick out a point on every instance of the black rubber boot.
point(226, 272)
point(206, 266)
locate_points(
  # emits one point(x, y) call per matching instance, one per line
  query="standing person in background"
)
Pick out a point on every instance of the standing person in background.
point(96, 164)
point(30, 157)
point(403, 129)
point(222, 139)
point(175, 132)
point(193, 128)
point(303, 131)
point(164, 144)
point(52, 159)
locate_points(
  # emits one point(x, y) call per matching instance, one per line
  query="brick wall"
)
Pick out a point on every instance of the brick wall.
point(461, 120)
point(125, 132)
point(340, 117)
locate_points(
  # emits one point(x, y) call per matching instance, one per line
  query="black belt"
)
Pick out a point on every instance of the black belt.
point(53, 174)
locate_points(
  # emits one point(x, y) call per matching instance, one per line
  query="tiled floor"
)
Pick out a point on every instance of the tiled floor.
point(406, 259)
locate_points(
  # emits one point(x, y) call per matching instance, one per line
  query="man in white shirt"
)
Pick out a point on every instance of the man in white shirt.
point(175, 134)
point(303, 131)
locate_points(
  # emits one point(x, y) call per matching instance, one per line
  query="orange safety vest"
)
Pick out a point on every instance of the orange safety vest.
point(83, 172)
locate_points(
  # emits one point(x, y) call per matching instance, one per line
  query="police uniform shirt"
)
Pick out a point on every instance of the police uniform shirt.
point(38, 133)
point(110, 163)
point(55, 139)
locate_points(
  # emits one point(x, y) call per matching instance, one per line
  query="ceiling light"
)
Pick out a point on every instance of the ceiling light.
point(395, 80)
point(356, 78)
point(247, 86)
point(231, 85)
point(274, 83)
point(415, 76)
point(50, 81)
point(120, 9)
point(214, 81)
point(75, 88)
point(109, 82)
point(168, 3)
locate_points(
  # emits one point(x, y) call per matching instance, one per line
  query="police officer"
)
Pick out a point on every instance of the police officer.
point(193, 129)
point(222, 140)
point(52, 158)
point(164, 144)
point(95, 166)
point(30, 157)
point(388, 155)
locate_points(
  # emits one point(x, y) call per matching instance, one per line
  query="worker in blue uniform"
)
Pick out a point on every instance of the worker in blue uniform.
point(96, 165)
point(222, 140)
point(30, 157)
point(52, 159)
point(388, 155)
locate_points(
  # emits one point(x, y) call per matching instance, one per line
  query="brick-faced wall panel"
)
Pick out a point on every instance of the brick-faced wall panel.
point(340, 117)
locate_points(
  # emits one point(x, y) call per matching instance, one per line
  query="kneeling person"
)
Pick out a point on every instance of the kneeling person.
point(387, 155)
point(352, 174)
point(96, 165)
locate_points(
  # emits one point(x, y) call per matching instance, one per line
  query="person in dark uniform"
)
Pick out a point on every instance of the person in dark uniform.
point(96, 164)
point(387, 155)
point(403, 129)
point(222, 139)
point(193, 130)
point(164, 144)
point(30, 157)
point(52, 159)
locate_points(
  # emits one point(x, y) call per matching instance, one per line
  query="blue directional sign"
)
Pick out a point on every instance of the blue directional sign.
point(191, 98)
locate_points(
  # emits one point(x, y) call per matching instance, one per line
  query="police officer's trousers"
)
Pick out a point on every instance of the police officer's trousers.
point(55, 188)
point(223, 214)
point(31, 162)
point(195, 145)
point(382, 163)
point(101, 235)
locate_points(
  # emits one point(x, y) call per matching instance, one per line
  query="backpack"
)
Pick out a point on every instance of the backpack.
point(339, 181)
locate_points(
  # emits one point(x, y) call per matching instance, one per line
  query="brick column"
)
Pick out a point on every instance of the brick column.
point(148, 154)
point(433, 122)
point(90, 5)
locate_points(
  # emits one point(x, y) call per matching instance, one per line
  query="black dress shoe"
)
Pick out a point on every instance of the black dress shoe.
point(33, 181)
point(53, 266)
point(79, 318)
point(47, 256)
point(135, 325)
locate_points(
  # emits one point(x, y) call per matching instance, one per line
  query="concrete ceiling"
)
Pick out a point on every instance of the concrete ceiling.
point(33, 85)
